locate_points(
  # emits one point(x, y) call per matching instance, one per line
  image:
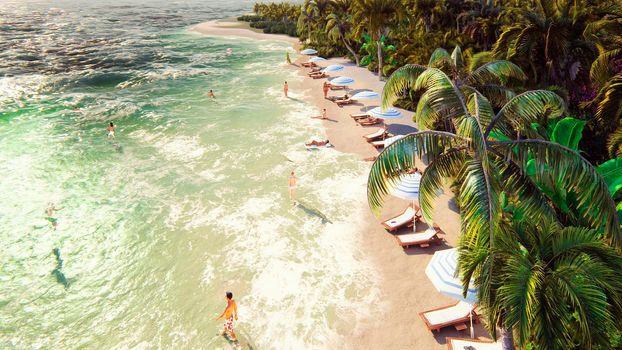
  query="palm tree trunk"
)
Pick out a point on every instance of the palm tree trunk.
point(356, 57)
point(507, 339)
point(379, 43)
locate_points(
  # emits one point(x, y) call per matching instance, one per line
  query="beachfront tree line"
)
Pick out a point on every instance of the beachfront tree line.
point(522, 119)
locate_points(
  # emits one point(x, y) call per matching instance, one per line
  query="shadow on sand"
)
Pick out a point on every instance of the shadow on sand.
point(313, 212)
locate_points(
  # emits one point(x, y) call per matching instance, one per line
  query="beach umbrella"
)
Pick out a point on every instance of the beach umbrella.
point(366, 95)
point(308, 52)
point(333, 68)
point(317, 59)
point(389, 113)
point(442, 272)
point(342, 81)
point(407, 187)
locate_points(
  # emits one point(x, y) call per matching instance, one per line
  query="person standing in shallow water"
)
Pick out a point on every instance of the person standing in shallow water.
point(291, 184)
point(49, 212)
point(110, 130)
point(230, 312)
point(285, 89)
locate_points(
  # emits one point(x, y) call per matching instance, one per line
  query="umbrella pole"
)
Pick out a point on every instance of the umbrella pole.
point(471, 318)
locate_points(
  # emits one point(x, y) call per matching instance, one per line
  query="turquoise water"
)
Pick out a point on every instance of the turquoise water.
point(188, 201)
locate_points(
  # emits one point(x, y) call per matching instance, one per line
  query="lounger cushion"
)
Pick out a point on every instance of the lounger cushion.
point(449, 314)
point(373, 135)
point(407, 216)
point(417, 238)
point(461, 344)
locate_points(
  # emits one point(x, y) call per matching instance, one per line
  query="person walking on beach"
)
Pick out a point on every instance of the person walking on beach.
point(285, 89)
point(325, 88)
point(49, 212)
point(292, 187)
point(211, 94)
point(110, 130)
point(230, 312)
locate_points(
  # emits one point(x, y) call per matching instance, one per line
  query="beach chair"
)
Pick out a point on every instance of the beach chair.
point(347, 101)
point(378, 134)
point(370, 121)
point(378, 144)
point(406, 218)
point(471, 344)
point(308, 64)
point(319, 76)
point(335, 98)
point(456, 315)
point(337, 87)
point(359, 116)
point(422, 239)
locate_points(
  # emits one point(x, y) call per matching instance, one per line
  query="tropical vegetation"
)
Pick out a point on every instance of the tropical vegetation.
point(522, 121)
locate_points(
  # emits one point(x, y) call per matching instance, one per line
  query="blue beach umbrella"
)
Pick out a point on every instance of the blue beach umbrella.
point(333, 68)
point(442, 272)
point(308, 52)
point(389, 113)
point(342, 81)
point(366, 95)
point(317, 59)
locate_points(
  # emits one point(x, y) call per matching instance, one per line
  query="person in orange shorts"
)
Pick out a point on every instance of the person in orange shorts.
point(230, 312)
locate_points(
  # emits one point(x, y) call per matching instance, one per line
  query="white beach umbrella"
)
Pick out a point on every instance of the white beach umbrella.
point(317, 59)
point(407, 186)
point(308, 52)
point(390, 140)
point(342, 81)
point(333, 68)
point(389, 113)
point(442, 271)
point(366, 95)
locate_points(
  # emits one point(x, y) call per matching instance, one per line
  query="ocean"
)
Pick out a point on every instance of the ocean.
point(189, 200)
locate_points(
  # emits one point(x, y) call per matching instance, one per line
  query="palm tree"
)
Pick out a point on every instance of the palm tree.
point(493, 79)
point(482, 22)
point(339, 24)
point(376, 16)
point(557, 287)
point(489, 165)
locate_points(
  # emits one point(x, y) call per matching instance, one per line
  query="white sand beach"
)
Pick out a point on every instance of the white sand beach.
point(406, 290)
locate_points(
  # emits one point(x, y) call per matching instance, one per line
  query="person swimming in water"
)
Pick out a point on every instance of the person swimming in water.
point(110, 130)
point(211, 94)
point(49, 212)
point(230, 312)
point(318, 143)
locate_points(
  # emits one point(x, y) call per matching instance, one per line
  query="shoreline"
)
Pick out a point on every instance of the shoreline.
point(404, 287)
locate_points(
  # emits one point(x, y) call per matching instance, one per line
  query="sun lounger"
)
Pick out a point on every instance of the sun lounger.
point(471, 344)
point(447, 316)
point(380, 133)
point(359, 116)
point(337, 87)
point(370, 121)
point(345, 102)
point(378, 144)
point(422, 239)
point(319, 76)
point(309, 64)
point(406, 218)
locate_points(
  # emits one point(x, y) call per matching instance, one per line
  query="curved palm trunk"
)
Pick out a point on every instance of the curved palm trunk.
point(507, 339)
point(379, 44)
point(356, 57)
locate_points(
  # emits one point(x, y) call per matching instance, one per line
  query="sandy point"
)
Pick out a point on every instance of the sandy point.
point(234, 28)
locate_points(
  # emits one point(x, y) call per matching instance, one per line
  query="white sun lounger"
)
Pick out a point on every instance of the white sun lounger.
point(359, 116)
point(453, 315)
point(374, 135)
point(462, 344)
point(378, 144)
point(405, 218)
point(422, 239)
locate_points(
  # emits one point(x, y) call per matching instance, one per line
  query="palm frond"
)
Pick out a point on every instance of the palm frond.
point(479, 59)
point(440, 59)
point(604, 66)
point(442, 95)
point(401, 80)
point(446, 165)
point(496, 72)
point(609, 107)
point(457, 59)
point(529, 107)
point(399, 157)
point(614, 143)
point(573, 173)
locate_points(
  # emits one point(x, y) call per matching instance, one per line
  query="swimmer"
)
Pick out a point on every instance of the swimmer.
point(318, 143)
point(49, 212)
point(110, 130)
point(291, 184)
point(211, 94)
point(229, 51)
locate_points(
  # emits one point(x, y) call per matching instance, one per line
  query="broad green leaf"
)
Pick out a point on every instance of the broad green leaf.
point(568, 132)
point(612, 173)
